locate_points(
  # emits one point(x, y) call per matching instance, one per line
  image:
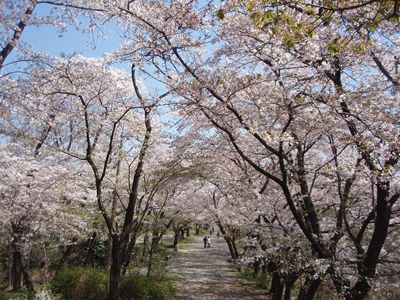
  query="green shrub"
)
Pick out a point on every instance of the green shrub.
point(23, 295)
point(78, 283)
point(262, 280)
point(139, 287)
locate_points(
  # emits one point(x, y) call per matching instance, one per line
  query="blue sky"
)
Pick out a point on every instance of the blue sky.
point(48, 38)
point(51, 40)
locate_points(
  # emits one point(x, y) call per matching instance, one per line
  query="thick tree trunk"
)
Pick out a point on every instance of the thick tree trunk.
point(367, 267)
point(288, 287)
point(16, 271)
point(256, 267)
point(27, 278)
point(197, 230)
point(230, 242)
point(115, 271)
point(235, 248)
point(20, 272)
point(108, 258)
point(232, 247)
point(277, 286)
point(309, 288)
point(360, 289)
point(176, 240)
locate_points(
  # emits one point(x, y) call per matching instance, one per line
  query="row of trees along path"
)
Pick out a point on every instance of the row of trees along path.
point(206, 274)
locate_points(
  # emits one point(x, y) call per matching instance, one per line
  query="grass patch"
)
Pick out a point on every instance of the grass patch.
point(136, 286)
point(22, 295)
point(263, 280)
point(78, 283)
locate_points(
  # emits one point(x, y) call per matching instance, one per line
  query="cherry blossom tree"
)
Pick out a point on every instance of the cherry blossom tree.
point(37, 202)
point(301, 98)
point(282, 101)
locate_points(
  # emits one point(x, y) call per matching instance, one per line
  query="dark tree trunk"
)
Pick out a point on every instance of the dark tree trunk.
point(154, 244)
point(188, 232)
point(288, 287)
point(16, 271)
point(108, 258)
point(309, 288)
point(91, 242)
point(150, 262)
point(277, 286)
point(367, 267)
point(129, 252)
point(256, 267)
point(66, 254)
point(264, 268)
point(176, 240)
point(146, 245)
point(115, 271)
point(230, 246)
point(235, 248)
point(27, 278)
point(360, 289)
point(20, 272)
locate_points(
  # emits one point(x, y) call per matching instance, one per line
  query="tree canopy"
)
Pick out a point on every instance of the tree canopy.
point(278, 121)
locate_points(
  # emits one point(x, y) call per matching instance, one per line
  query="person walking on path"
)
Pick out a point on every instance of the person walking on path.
point(205, 241)
point(208, 242)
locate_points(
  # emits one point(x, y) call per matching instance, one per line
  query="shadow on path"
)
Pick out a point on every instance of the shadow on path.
point(206, 274)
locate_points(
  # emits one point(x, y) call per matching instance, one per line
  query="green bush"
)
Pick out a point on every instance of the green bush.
point(139, 287)
point(78, 283)
point(263, 280)
point(23, 295)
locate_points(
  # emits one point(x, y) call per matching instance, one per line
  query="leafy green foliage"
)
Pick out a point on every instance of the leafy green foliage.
point(220, 14)
point(333, 47)
point(262, 279)
point(16, 296)
point(78, 283)
point(137, 286)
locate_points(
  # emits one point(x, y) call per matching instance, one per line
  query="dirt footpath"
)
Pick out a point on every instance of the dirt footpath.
point(206, 274)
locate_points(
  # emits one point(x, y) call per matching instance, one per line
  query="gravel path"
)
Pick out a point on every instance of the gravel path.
point(205, 274)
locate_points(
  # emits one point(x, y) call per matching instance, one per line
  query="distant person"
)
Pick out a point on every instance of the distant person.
point(218, 234)
point(205, 241)
point(208, 242)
